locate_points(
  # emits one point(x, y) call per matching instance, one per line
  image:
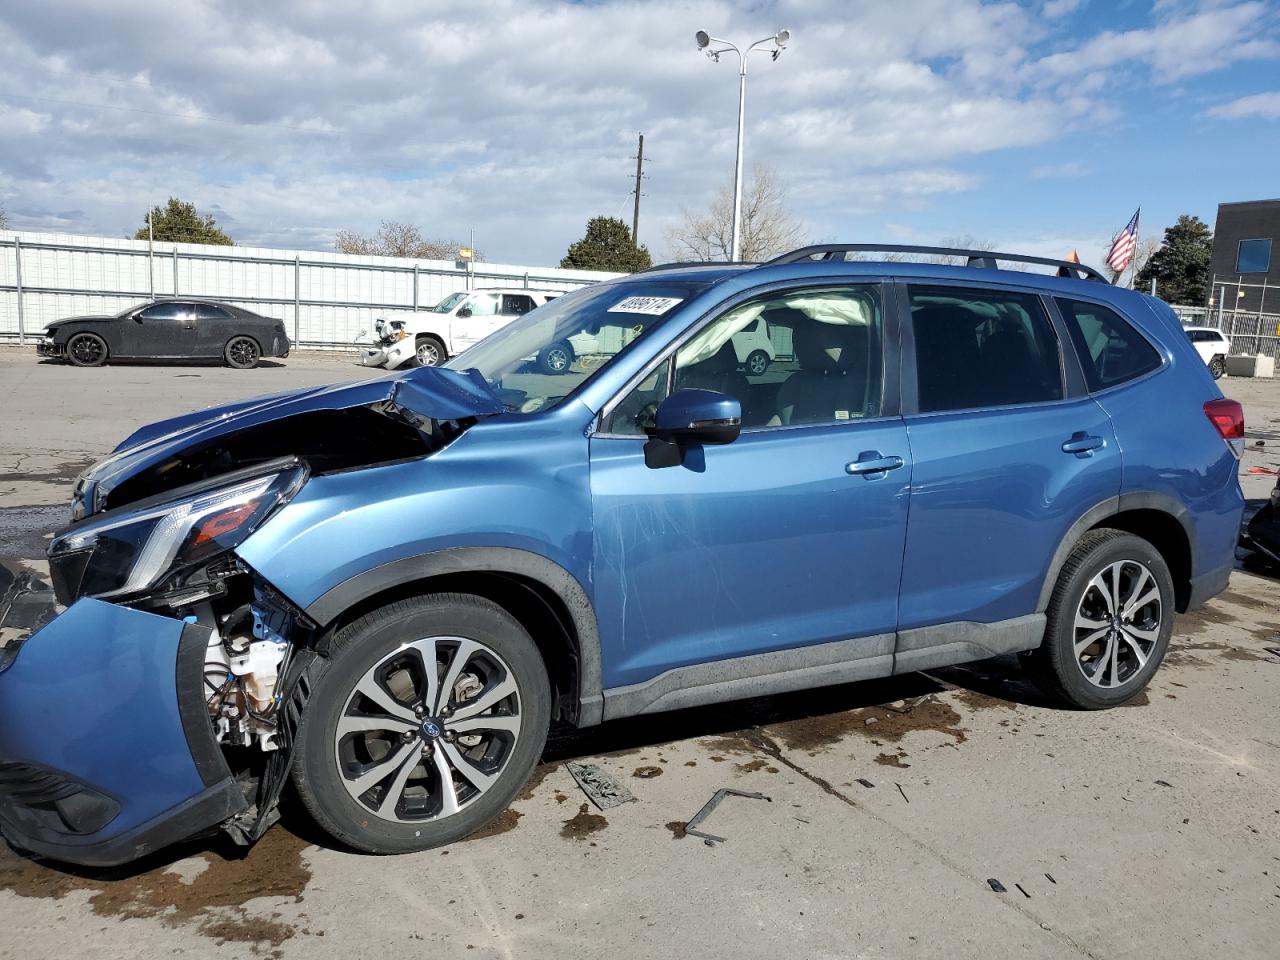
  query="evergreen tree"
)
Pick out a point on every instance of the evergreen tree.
point(180, 222)
point(607, 246)
point(1180, 267)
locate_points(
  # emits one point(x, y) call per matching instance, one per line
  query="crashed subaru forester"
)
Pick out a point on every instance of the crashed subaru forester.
point(385, 592)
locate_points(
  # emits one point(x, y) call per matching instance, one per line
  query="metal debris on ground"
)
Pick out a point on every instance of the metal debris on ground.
point(1164, 783)
point(996, 885)
point(1274, 651)
point(903, 792)
point(865, 782)
point(599, 786)
point(710, 839)
point(1049, 877)
point(1023, 892)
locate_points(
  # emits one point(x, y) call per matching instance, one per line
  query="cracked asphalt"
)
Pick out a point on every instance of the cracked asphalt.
point(1151, 830)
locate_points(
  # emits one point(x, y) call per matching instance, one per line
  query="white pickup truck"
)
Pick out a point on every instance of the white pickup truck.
point(461, 319)
point(1213, 347)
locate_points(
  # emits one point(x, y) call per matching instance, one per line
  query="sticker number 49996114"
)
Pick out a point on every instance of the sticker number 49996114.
point(650, 306)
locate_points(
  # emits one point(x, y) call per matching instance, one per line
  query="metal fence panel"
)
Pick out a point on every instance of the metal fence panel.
point(324, 299)
point(1249, 333)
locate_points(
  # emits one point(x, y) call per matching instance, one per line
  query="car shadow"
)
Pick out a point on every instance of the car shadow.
point(263, 364)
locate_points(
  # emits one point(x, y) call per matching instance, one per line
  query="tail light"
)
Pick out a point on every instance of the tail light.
point(1227, 416)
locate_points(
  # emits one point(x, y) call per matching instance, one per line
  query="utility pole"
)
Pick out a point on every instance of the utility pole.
point(635, 216)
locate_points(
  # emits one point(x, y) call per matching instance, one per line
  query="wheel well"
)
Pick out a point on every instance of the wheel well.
point(1167, 535)
point(537, 608)
point(245, 336)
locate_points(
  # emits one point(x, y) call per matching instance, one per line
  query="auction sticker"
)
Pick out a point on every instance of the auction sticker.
point(652, 306)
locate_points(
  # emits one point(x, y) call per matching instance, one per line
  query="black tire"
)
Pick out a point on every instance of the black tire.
point(87, 350)
point(430, 351)
point(1217, 367)
point(1058, 669)
point(556, 358)
point(242, 353)
point(360, 648)
point(757, 362)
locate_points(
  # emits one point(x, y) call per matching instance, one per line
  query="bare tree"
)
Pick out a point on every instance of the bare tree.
point(768, 228)
point(396, 238)
point(4, 221)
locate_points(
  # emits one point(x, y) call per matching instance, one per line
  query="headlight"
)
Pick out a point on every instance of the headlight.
point(134, 549)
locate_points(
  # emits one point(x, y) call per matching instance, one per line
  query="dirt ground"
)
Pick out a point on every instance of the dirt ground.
point(893, 805)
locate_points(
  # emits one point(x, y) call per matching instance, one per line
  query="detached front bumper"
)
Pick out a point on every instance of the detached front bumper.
point(1264, 529)
point(45, 347)
point(106, 750)
point(374, 356)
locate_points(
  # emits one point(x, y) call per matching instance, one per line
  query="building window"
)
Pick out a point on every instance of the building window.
point(1253, 256)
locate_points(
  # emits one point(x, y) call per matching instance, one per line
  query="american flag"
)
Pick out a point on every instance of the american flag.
point(1124, 245)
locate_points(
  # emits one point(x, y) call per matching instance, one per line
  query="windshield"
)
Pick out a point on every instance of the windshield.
point(449, 302)
point(548, 353)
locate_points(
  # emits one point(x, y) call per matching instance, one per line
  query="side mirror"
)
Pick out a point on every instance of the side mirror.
point(464, 312)
point(691, 417)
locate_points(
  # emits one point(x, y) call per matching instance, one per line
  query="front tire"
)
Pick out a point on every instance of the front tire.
point(1109, 622)
point(424, 722)
point(1217, 367)
point(430, 351)
point(242, 353)
point(87, 350)
point(757, 362)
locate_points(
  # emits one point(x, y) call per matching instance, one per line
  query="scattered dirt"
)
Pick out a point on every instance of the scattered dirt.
point(677, 829)
point(893, 759)
point(561, 797)
point(980, 701)
point(540, 773)
point(214, 902)
point(583, 824)
point(735, 744)
point(646, 773)
point(886, 723)
point(1183, 653)
point(758, 763)
point(500, 824)
point(691, 763)
point(1141, 700)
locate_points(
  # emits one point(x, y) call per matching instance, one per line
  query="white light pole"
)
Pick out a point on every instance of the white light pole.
point(704, 41)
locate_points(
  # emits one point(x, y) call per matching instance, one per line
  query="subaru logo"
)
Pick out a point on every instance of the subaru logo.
point(431, 728)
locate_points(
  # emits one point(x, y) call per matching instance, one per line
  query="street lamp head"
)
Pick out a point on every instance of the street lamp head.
point(703, 39)
point(782, 38)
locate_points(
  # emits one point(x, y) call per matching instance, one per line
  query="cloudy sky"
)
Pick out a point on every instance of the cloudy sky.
point(1038, 126)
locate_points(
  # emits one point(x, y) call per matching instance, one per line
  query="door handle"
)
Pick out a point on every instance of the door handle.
point(1083, 444)
point(872, 461)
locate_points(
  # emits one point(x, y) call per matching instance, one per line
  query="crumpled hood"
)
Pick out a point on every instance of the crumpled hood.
point(423, 393)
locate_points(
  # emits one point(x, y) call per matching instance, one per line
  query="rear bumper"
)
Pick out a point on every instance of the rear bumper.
point(106, 750)
point(280, 347)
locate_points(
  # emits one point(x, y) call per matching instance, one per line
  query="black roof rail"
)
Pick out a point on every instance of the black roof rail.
point(675, 264)
point(973, 258)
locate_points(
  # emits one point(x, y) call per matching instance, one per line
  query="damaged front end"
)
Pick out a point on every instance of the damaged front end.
point(162, 703)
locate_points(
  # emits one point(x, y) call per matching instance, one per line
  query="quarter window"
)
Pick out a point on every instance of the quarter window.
point(166, 311)
point(982, 348)
point(515, 304)
point(1110, 349)
point(790, 358)
point(207, 311)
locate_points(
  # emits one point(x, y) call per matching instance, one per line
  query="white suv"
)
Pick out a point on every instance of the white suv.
point(1213, 347)
point(461, 319)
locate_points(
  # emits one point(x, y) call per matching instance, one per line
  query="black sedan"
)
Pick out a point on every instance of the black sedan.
point(170, 330)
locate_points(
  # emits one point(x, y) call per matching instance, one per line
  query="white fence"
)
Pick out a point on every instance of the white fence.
point(1250, 333)
point(325, 299)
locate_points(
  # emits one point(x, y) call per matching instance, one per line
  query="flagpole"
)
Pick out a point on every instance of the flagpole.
point(1133, 264)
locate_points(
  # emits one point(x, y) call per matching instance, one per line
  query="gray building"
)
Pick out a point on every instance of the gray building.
point(1246, 256)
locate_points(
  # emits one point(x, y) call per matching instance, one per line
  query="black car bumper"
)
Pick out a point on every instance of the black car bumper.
point(280, 347)
point(1263, 532)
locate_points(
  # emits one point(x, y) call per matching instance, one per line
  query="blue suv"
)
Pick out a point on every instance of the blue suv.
point(385, 592)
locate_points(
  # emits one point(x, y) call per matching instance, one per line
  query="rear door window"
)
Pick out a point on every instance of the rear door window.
point(207, 311)
point(983, 348)
point(1111, 350)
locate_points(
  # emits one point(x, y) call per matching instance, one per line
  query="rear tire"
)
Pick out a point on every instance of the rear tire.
point(242, 353)
point(374, 780)
point(1109, 622)
point(1217, 367)
point(87, 350)
point(555, 359)
point(757, 362)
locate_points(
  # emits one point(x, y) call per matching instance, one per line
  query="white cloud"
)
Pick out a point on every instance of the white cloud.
point(1059, 8)
point(518, 117)
point(1263, 105)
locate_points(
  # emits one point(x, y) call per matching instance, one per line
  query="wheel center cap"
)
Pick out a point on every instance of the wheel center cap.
point(431, 729)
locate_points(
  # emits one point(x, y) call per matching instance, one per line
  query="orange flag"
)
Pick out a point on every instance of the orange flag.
point(1071, 257)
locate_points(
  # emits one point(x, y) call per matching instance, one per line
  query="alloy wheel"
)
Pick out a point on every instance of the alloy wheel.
point(1117, 624)
point(428, 354)
point(86, 350)
point(557, 360)
point(428, 730)
point(757, 363)
point(242, 352)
